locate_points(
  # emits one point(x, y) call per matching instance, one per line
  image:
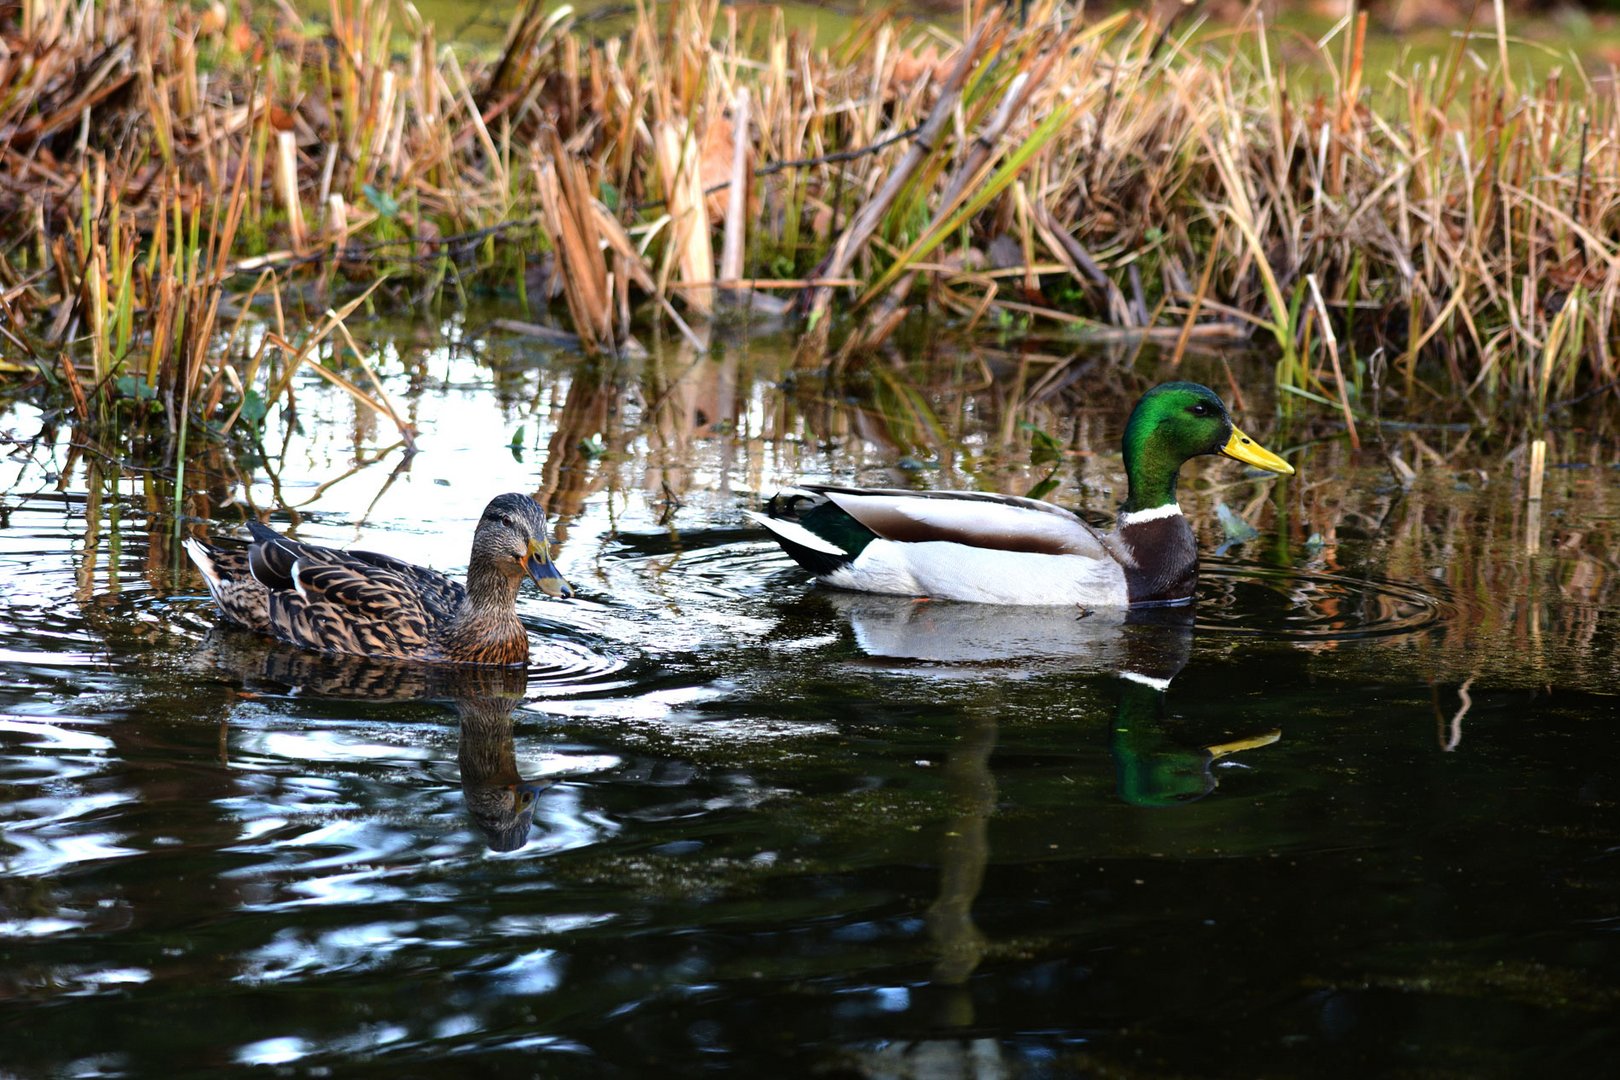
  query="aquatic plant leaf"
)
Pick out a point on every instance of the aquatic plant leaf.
point(1233, 527)
point(1044, 487)
point(254, 408)
point(133, 386)
point(385, 204)
point(1043, 449)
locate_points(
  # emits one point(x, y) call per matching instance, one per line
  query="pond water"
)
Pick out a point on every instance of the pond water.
point(1359, 816)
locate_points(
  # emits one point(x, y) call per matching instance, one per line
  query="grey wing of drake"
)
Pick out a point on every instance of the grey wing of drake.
point(973, 518)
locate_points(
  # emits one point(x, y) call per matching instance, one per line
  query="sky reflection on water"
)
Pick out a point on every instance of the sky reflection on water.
point(1360, 817)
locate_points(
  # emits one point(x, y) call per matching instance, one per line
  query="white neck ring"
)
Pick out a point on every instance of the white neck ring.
point(1138, 517)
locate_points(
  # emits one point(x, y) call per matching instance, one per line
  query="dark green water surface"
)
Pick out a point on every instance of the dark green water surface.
point(1360, 819)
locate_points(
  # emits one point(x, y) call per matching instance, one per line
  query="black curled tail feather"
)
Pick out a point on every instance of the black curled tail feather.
point(792, 505)
point(826, 522)
point(819, 563)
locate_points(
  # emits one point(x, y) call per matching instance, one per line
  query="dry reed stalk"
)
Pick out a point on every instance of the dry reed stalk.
point(629, 263)
point(785, 284)
point(923, 145)
point(692, 257)
point(886, 319)
point(287, 186)
point(579, 256)
point(1196, 301)
point(303, 354)
point(407, 431)
point(1538, 469)
point(81, 406)
point(731, 249)
point(1331, 340)
point(1532, 517)
point(1459, 219)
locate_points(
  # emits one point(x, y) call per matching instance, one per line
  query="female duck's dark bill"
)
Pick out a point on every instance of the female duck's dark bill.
point(537, 563)
point(1242, 448)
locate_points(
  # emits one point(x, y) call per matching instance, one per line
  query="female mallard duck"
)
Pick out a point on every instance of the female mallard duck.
point(357, 603)
point(1000, 549)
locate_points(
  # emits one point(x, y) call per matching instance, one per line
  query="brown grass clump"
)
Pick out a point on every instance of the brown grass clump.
point(1445, 232)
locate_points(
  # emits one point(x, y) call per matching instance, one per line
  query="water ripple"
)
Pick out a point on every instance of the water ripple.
point(1249, 600)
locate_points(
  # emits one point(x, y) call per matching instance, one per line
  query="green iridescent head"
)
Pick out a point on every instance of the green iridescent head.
point(1172, 423)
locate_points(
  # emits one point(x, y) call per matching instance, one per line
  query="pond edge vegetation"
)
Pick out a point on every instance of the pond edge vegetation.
point(186, 192)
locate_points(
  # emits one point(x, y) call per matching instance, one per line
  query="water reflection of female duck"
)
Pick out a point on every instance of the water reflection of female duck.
point(499, 800)
point(265, 664)
point(356, 603)
point(1155, 763)
point(997, 549)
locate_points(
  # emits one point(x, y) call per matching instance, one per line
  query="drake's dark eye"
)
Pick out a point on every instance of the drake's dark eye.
point(1199, 410)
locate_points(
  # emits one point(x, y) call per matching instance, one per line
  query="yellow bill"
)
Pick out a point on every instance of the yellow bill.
point(1253, 742)
point(1242, 448)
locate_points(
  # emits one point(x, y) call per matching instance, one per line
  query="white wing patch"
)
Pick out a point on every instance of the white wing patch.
point(948, 571)
point(298, 568)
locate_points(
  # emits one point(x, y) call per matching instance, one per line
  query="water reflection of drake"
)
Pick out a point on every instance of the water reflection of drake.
point(498, 798)
point(1159, 762)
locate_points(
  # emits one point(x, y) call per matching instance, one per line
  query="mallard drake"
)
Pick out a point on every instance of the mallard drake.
point(1002, 549)
point(357, 603)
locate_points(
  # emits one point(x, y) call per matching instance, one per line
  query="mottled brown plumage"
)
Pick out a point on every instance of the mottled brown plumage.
point(357, 603)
